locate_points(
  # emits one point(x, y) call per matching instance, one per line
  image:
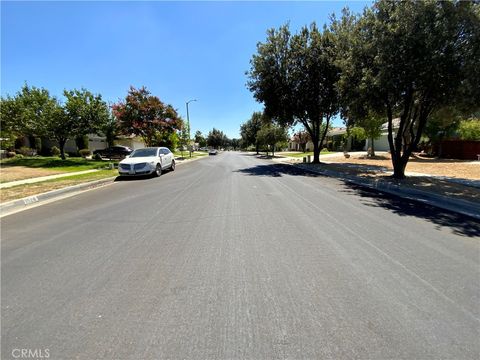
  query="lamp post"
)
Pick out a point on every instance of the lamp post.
point(188, 123)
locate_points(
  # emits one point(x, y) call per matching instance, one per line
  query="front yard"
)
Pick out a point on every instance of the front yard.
point(30, 167)
point(21, 191)
point(462, 169)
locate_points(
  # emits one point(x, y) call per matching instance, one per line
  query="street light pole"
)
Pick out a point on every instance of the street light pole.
point(188, 122)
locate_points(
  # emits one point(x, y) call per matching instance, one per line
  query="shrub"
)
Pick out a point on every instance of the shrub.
point(26, 151)
point(97, 157)
point(469, 129)
point(18, 156)
point(84, 152)
point(11, 154)
point(324, 149)
point(55, 151)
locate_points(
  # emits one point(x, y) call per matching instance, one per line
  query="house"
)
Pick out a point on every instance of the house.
point(334, 140)
point(96, 142)
point(381, 144)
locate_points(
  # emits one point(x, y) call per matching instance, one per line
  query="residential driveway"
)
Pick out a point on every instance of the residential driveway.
point(233, 257)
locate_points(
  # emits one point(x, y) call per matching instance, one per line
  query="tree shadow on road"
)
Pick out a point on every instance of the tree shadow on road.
point(460, 224)
point(276, 170)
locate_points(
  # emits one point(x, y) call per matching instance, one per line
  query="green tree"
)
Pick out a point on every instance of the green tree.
point(110, 130)
point(270, 135)
point(216, 138)
point(235, 143)
point(26, 113)
point(371, 125)
point(200, 139)
point(250, 128)
point(407, 60)
point(295, 77)
point(441, 125)
point(184, 138)
point(144, 115)
point(8, 116)
point(167, 139)
point(469, 129)
point(83, 113)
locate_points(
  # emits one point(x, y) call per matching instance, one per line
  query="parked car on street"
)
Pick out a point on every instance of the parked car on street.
point(147, 161)
point(212, 152)
point(114, 152)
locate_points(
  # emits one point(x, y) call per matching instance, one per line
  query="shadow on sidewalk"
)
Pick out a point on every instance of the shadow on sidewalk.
point(460, 224)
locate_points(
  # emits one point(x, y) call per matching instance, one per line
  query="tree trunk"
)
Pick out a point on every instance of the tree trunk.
point(316, 152)
point(61, 144)
point(372, 154)
point(257, 147)
point(399, 168)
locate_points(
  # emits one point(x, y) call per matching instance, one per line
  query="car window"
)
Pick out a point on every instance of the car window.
point(144, 152)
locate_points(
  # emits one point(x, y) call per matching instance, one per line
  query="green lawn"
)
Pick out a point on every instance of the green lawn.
point(298, 154)
point(186, 154)
point(55, 163)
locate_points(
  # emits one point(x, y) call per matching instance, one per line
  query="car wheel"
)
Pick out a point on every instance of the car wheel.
point(158, 170)
point(172, 167)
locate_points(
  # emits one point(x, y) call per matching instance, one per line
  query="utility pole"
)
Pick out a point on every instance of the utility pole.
point(188, 125)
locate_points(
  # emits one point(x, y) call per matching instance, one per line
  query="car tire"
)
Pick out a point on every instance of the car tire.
point(158, 170)
point(172, 167)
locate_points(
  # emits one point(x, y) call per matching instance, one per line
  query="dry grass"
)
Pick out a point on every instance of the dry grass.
point(423, 183)
point(462, 169)
point(14, 173)
point(21, 191)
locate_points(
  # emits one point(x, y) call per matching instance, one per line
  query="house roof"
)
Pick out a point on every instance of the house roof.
point(337, 131)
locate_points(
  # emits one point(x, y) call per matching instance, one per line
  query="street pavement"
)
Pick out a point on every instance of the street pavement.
point(234, 257)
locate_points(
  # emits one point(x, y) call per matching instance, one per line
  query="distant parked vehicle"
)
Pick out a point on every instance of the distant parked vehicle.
point(212, 152)
point(114, 152)
point(147, 161)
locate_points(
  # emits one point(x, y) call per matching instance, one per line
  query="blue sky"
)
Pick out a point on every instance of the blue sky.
point(178, 50)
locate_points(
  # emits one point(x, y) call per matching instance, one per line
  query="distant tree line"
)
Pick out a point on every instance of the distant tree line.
point(33, 113)
point(411, 60)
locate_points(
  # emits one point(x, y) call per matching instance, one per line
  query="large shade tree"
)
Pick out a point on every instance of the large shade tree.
point(406, 60)
point(270, 135)
point(250, 128)
point(27, 112)
point(216, 139)
point(82, 113)
point(294, 76)
point(33, 111)
point(144, 115)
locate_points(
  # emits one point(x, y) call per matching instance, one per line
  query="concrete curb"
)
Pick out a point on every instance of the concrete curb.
point(31, 201)
point(462, 207)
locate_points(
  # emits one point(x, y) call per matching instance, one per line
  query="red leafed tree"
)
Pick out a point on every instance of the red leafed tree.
point(144, 115)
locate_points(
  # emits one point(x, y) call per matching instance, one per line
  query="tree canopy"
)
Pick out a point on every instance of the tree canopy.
point(295, 76)
point(407, 60)
point(144, 115)
point(216, 139)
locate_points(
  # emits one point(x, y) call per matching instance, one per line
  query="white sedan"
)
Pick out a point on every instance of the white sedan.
point(147, 161)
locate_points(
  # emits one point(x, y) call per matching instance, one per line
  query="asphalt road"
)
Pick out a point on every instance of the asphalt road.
point(233, 257)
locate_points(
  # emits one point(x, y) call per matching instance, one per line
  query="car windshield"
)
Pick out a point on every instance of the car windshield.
point(144, 152)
